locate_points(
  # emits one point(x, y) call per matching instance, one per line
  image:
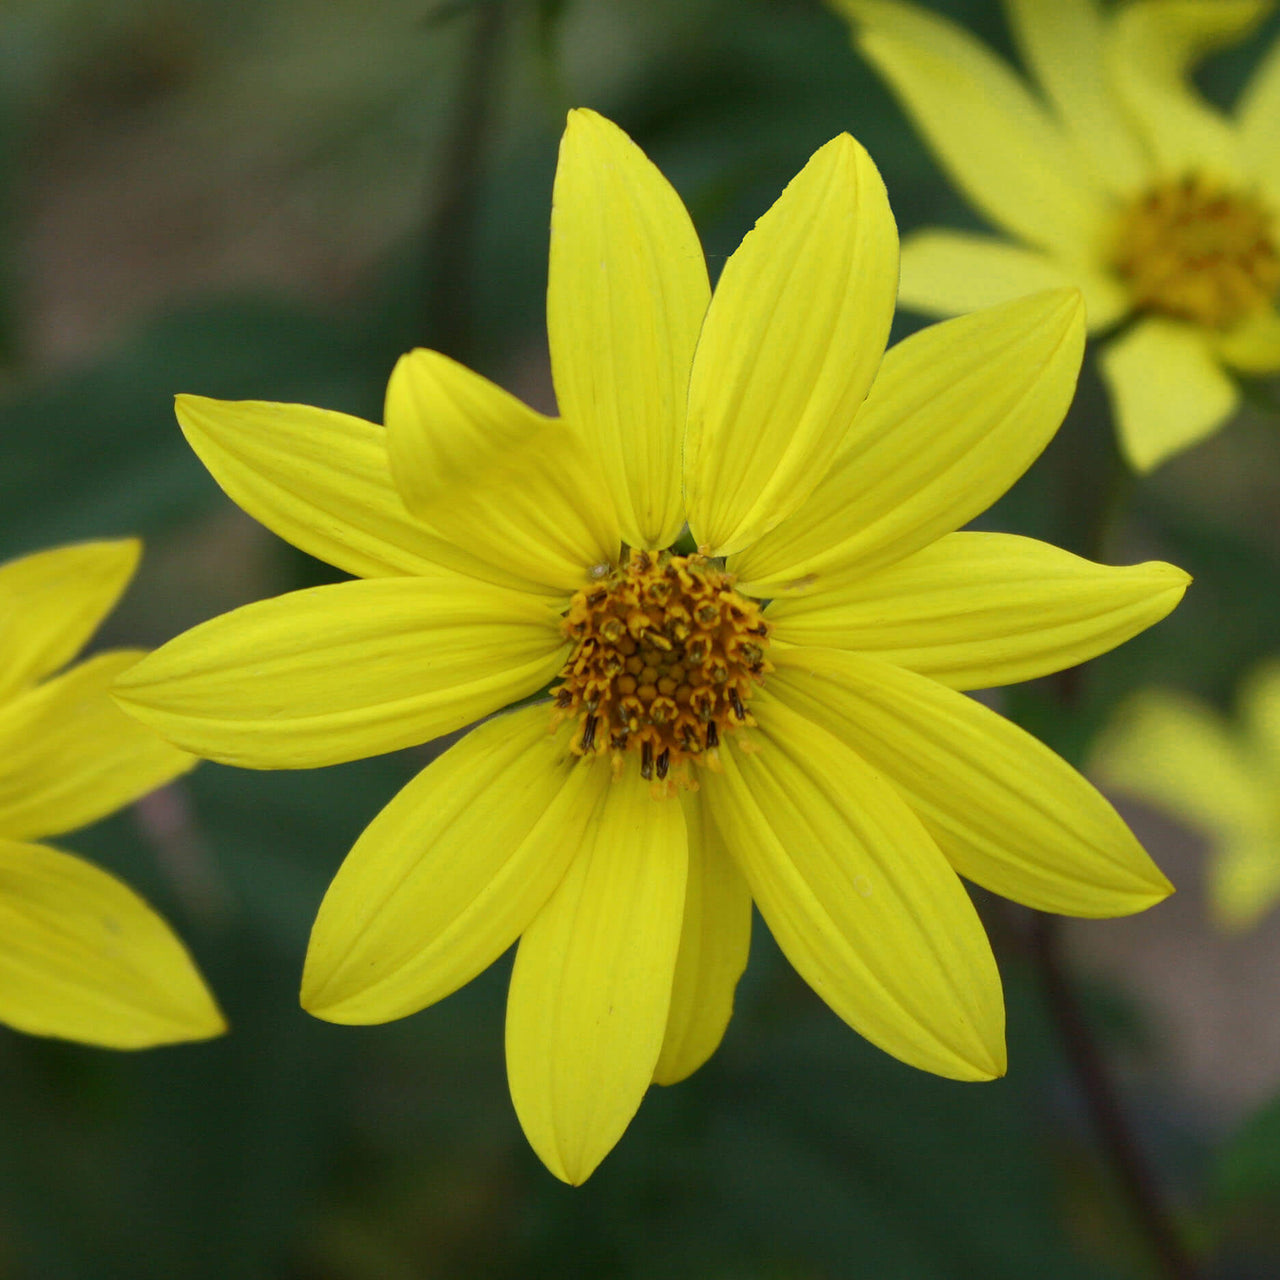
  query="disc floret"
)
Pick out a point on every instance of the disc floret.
point(666, 656)
point(1198, 250)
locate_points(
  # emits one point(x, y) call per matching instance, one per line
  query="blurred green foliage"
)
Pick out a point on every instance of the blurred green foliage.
point(402, 140)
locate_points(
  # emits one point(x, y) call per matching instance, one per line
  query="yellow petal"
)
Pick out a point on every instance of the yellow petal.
point(1258, 116)
point(491, 475)
point(51, 602)
point(859, 898)
point(1244, 878)
point(791, 343)
point(1063, 43)
point(321, 480)
point(339, 672)
point(975, 610)
point(592, 980)
point(1007, 813)
point(996, 142)
point(1151, 49)
point(1253, 345)
point(82, 957)
point(948, 273)
point(1167, 387)
point(1171, 751)
point(450, 873)
point(714, 941)
point(957, 414)
point(1260, 712)
point(626, 293)
point(69, 755)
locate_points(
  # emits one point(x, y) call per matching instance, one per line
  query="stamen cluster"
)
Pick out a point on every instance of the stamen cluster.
point(1199, 251)
point(665, 657)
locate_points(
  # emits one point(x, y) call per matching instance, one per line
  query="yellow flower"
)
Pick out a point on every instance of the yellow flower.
point(700, 749)
point(81, 955)
point(1117, 178)
point(1224, 780)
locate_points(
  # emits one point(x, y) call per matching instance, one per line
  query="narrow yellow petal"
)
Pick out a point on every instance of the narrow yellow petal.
point(626, 293)
point(1167, 387)
point(957, 414)
point(339, 672)
point(859, 898)
point(714, 941)
point(322, 481)
point(491, 475)
point(1063, 44)
point(1152, 46)
point(592, 980)
point(450, 873)
point(975, 610)
point(51, 602)
point(996, 142)
point(69, 755)
point(1253, 345)
point(1243, 877)
point(1172, 751)
point(84, 958)
point(1005, 810)
point(1258, 116)
point(949, 273)
point(792, 340)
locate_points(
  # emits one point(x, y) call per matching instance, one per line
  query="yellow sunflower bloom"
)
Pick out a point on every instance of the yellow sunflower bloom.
point(700, 748)
point(1117, 177)
point(1221, 779)
point(82, 957)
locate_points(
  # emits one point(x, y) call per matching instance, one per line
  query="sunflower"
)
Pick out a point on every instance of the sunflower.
point(1220, 777)
point(82, 957)
point(768, 711)
point(1117, 177)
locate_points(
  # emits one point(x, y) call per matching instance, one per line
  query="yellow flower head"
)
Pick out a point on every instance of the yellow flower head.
point(1116, 177)
point(1221, 779)
point(81, 955)
point(775, 717)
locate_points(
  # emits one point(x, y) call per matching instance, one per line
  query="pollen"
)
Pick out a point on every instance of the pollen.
point(1199, 251)
point(665, 657)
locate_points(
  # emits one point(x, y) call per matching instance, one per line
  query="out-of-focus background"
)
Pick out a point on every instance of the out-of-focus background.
point(272, 199)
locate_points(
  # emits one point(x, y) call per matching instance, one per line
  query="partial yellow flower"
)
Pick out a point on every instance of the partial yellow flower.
point(1222, 779)
point(775, 718)
point(81, 955)
point(1117, 177)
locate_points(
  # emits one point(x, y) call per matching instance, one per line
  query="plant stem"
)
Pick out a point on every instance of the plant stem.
point(1113, 1130)
point(450, 228)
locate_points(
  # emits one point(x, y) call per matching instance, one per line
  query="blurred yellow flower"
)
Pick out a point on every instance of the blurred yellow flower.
point(701, 748)
point(1117, 177)
point(81, 955)
point(1221, 779)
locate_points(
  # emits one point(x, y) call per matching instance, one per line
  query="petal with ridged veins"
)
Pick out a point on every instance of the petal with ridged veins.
point(792, 340)
point(340, 672)
point(976, 610)
point(859, 898)
point(591, 987)
point(1006, 811)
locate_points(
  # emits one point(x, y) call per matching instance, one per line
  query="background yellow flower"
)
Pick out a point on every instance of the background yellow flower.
point(1221, 778)
point(1116, 176)
point(81, 955)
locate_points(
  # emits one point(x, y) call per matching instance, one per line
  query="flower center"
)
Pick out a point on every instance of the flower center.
point(665, 656)
point(1199, 251)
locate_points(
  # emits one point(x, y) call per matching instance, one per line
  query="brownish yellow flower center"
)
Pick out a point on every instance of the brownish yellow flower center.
point(1199, 251)
point(665, 656)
